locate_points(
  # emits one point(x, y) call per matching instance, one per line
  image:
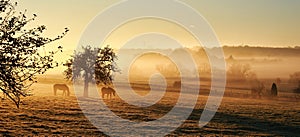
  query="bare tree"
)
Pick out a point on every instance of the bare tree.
point(20, 60)
point(92, 65)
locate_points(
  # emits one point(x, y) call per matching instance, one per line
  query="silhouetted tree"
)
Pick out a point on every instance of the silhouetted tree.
point(20, 60)
point(92, 65)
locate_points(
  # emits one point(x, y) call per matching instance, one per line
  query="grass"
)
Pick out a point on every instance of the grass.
point(45, 115)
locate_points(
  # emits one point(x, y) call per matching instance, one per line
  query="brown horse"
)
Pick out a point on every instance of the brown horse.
point(108, 91)
point(63, 87)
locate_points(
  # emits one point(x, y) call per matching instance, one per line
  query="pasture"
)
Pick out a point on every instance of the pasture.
point(44, 114)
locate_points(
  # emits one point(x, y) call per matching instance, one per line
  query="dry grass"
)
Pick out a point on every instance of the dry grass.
point(46, 115)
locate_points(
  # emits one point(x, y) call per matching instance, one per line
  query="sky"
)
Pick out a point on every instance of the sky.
point(235, 22)
point(267, 23)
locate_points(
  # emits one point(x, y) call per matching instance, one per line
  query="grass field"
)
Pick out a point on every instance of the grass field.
point(44, 114)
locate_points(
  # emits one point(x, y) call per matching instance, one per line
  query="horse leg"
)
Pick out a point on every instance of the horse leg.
point(4, 96)
point(54, 92)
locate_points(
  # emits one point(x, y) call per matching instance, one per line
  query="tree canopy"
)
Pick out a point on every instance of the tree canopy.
point(240, 72)
point(20, 60)
point(92, 65)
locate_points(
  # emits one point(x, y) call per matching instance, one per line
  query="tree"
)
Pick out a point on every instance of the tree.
point(240, 72)
point(295, 78)
point(168, 70)
point(257, 88)
point(92, 65)
point(244, 74)
point(20, 60)
point(295, 81)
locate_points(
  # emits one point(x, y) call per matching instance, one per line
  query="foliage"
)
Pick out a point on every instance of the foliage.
point(257, 88)
point(295, 78)
point(20, 60)
point(240, 72)
point(168, 70)
point(243, 73)
point(92, 65)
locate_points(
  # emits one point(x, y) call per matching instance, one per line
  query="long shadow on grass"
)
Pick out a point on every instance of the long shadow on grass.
point(232, 124)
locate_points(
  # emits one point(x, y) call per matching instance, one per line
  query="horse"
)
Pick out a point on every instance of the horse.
point(63, 87)
point(109, 91)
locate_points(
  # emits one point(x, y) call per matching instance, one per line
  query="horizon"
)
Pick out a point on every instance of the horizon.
point(282, 60)
point(150, 68)
point(235, 23)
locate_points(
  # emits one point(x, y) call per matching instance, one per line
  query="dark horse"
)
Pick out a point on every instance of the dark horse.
point(62, 87)
point(109, 91)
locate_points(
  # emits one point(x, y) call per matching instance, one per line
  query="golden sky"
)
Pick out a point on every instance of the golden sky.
point(273, 23)
point(236, 22)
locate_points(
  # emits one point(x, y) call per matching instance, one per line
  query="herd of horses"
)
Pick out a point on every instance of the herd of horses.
point(66, 92)
point(256, 91)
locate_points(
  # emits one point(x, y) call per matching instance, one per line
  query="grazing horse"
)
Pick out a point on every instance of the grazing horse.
point(62, 87)
point(109, 91)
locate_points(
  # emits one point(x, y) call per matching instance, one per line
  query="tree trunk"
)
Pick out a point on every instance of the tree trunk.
point(86, 89)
